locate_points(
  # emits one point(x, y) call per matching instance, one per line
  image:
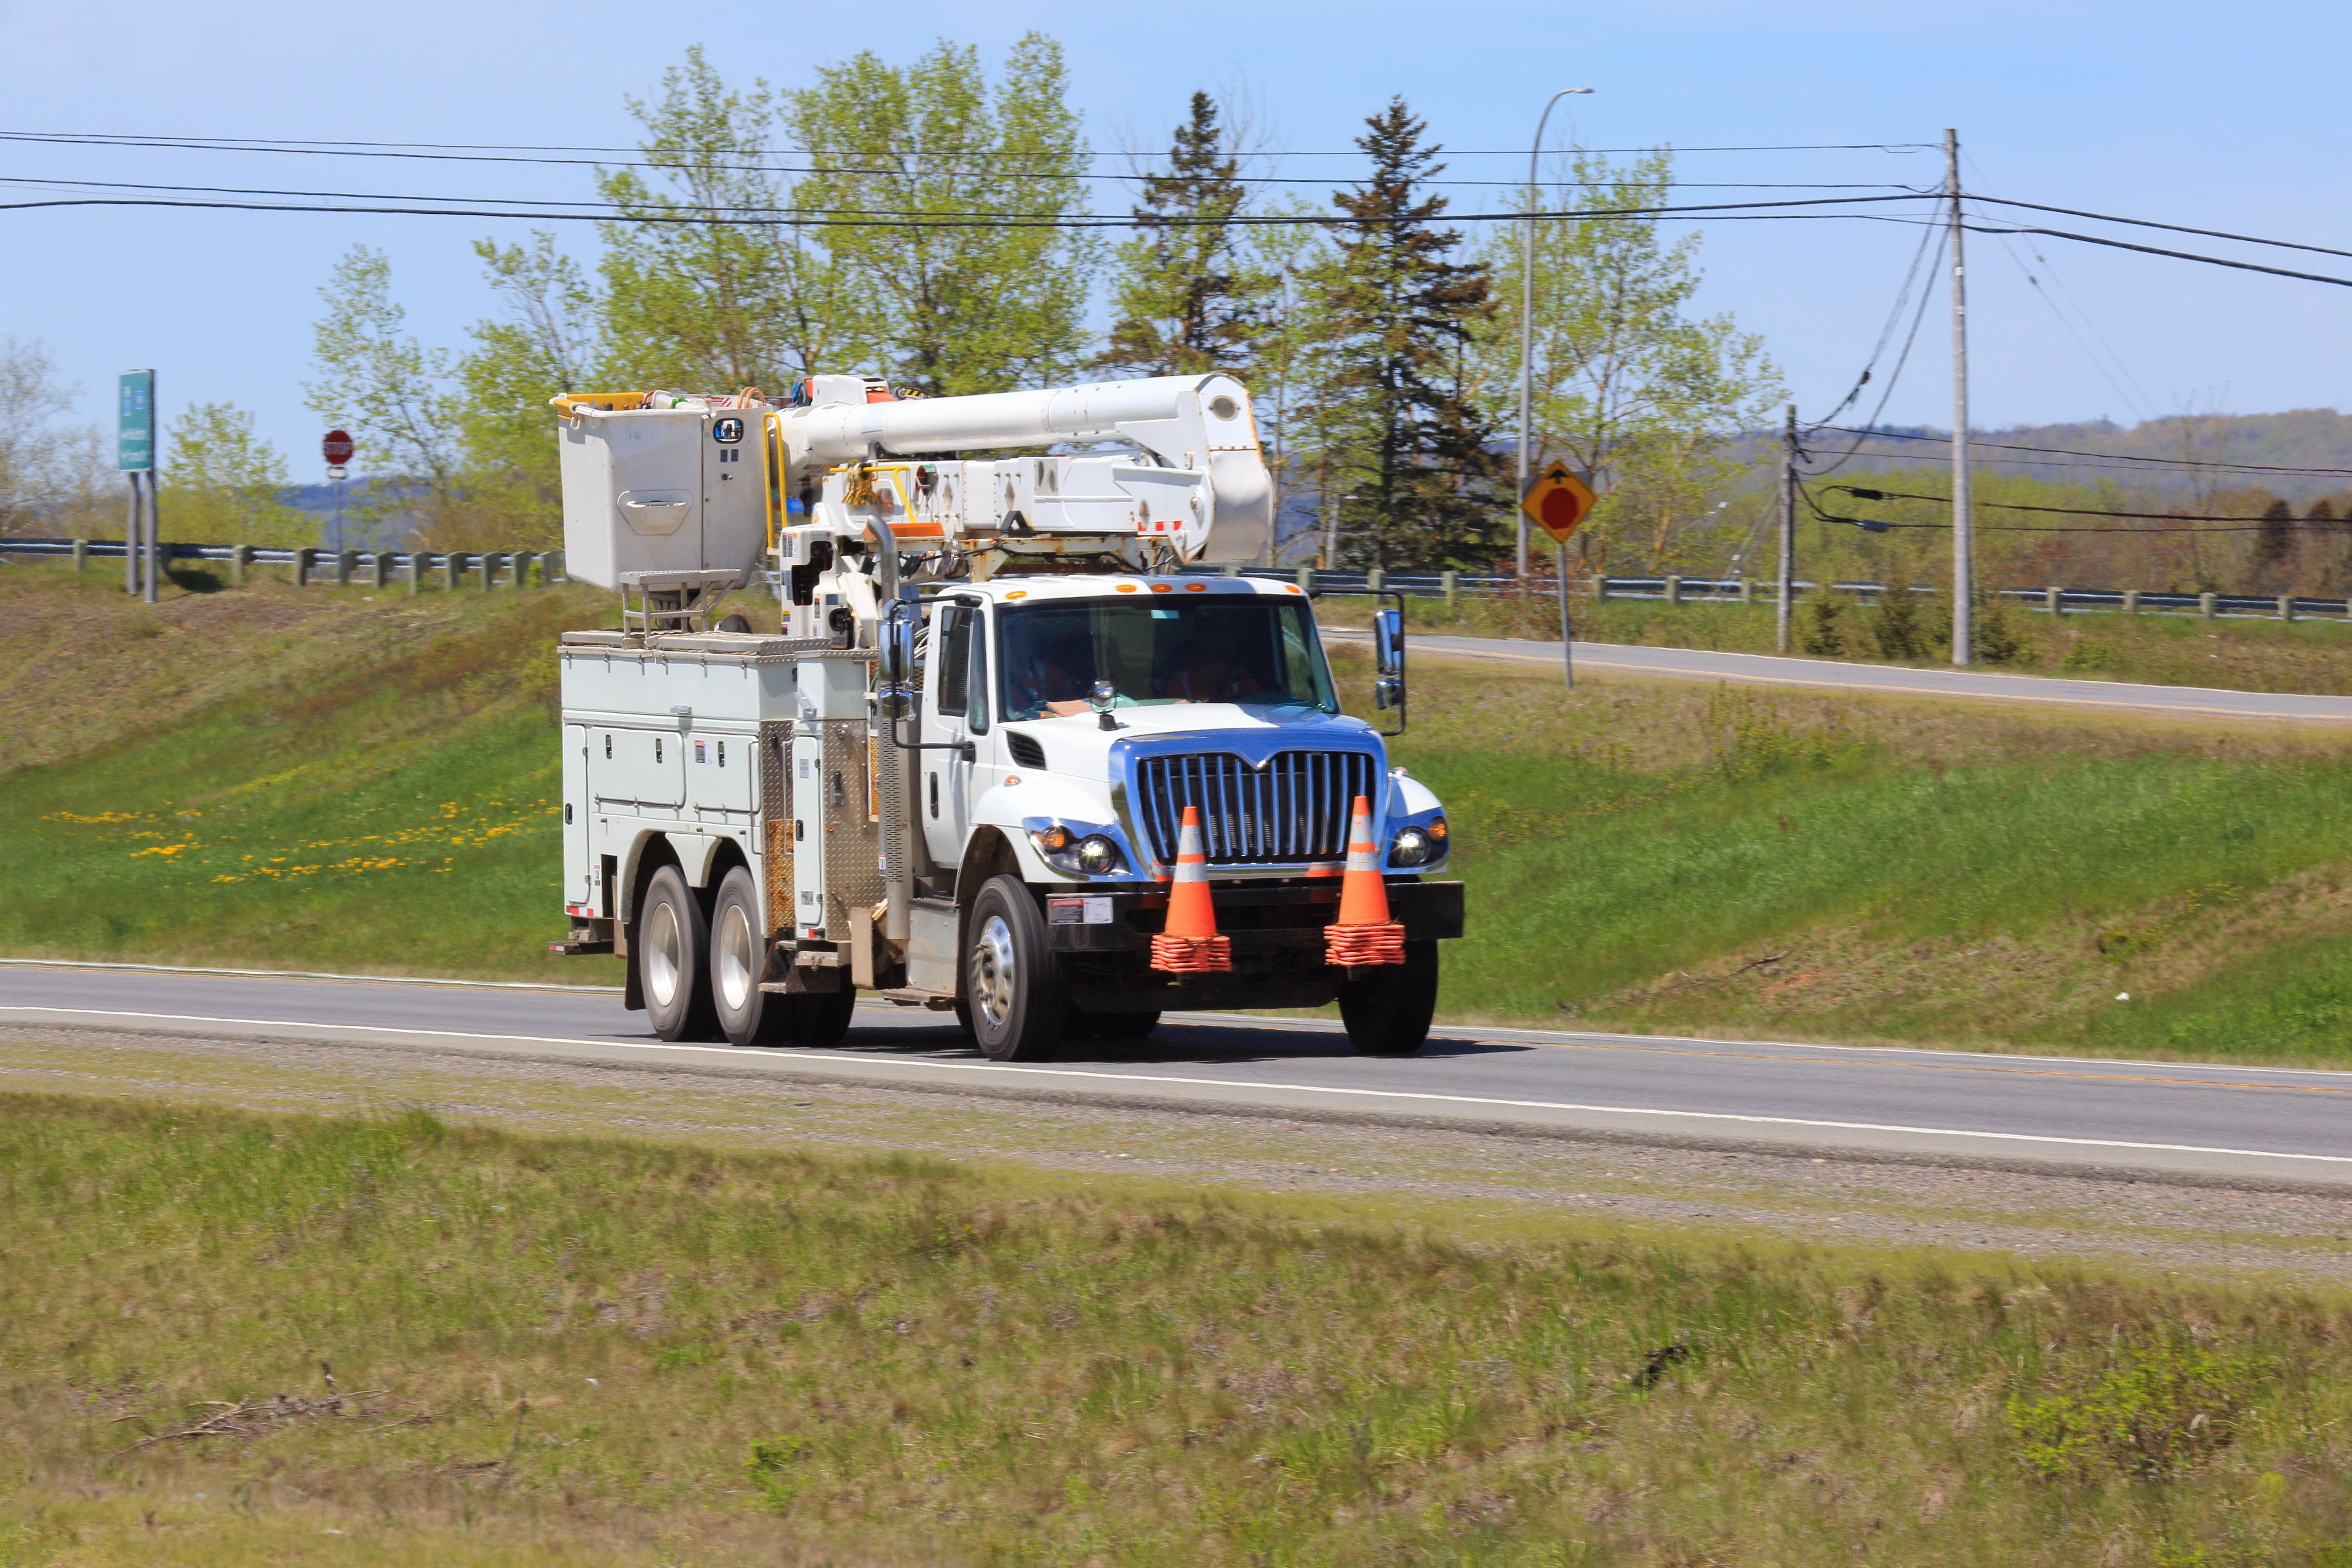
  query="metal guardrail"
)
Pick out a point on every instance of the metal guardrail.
point(376, 568)
point(1452, 585)
point(385, 568)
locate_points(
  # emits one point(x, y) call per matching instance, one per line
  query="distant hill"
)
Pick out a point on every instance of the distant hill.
point(2190, 451)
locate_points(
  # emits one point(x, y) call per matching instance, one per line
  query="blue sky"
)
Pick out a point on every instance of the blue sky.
point(2224, 120)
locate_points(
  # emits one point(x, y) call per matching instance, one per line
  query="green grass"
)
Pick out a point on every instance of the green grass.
point(291, 780)
point(378, 789)
point(595, 1351)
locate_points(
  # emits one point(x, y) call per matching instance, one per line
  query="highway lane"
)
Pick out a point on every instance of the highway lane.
point(2237, 1122)
point(1700, 664)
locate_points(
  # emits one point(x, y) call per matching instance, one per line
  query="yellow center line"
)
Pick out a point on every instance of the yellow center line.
point(1931, 1067)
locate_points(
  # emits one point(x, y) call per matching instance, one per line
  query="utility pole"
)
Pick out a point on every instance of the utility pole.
point(1963, 534)
point(1787, 586)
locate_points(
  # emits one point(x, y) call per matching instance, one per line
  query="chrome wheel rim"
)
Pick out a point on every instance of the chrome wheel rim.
point(665, 963)
point(736, 975)
point(995, 974)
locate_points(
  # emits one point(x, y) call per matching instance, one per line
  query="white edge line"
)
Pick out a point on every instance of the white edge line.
point(739, 1052)
point(313, 974)
point(1474, 1034)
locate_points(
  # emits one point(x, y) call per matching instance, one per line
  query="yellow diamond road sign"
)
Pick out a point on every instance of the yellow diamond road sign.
point(1557, 501)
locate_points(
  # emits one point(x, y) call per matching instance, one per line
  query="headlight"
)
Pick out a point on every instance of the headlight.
point(1096, 855)
point(1418, 846)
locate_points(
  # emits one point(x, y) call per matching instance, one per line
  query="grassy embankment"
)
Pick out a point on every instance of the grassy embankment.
point(314, 780)
point(595, 1351)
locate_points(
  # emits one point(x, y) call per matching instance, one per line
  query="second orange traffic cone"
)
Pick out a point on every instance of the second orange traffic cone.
point(1363, 934)
point(1189, 942)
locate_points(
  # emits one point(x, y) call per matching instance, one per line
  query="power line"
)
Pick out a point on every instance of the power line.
point(325, 147)
point(1861, 492)
point(1727, 211)
point(2176, 255)
point(2175, 228)
point(2077, 452)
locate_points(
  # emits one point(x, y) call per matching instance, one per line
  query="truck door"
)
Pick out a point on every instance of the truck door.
point(579, 882)
point(944, 807)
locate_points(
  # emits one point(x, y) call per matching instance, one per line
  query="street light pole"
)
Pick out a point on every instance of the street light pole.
point(1527, 327)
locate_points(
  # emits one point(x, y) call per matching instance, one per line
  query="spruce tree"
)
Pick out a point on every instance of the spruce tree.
point(1405, 447)
point(1186, 301)
point(2275, 538)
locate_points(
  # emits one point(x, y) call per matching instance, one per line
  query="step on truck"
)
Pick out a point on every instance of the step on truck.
point(1008, 727)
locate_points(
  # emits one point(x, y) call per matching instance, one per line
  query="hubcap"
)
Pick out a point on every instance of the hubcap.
point(664, 962)
point(995, 974)
point(736, 977)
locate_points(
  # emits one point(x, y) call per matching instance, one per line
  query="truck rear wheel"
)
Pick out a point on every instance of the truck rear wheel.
point(822, 1017)
point(1011, 980)
point(739, 962)
point(1388, 1010)
point(671, 948)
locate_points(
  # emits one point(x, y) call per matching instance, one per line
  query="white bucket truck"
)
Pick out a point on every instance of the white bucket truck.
point(959, 776)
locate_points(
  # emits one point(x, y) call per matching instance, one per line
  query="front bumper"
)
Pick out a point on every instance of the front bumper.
point(1259, 919)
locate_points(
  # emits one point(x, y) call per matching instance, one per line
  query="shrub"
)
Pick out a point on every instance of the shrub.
point(1898, 625)
point(1995, 640)
point(2151, 1414)
point(1823, 632)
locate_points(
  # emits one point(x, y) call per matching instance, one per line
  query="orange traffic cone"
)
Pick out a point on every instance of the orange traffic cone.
point(1363, 933)
point(1190, 944)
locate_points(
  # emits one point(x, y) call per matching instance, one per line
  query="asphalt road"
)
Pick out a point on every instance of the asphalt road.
point(1699, 664)
point(2231, 1122)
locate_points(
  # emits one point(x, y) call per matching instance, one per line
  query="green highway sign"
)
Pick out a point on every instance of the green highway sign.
point(134, 431)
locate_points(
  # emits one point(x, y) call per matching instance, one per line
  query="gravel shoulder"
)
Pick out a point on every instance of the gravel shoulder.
point(1468, 1184)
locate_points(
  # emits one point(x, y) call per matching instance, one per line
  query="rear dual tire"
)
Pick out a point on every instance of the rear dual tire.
point(701, 971)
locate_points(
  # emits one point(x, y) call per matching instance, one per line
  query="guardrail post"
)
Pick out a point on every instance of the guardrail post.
point(347, 564)
point(80, 553)
point(1600, 589)
point(2205, 605)
point(1306, 579)
point(1373, 580)
point(302, 559)
point(1748, 590)
point(240, 561)
point(415, 573)
point(522, 560)
point(2287, 606)
point(2052, 600)
point(1449, 583)
point(1673, 590)
point(453, 567)
point(2131, 601)
point(550, 568)
point(489, 562)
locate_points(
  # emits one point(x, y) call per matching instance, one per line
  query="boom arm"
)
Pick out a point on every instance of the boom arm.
point(1196, 487)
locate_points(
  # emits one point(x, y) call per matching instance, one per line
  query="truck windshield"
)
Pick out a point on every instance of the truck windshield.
point(1231, 648)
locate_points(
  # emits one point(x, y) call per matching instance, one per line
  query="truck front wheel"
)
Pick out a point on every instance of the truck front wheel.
point(1387, 1011)
point(1012, 983)
point(671, 951)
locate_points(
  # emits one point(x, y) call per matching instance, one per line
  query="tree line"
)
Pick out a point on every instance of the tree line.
point(1381, 342)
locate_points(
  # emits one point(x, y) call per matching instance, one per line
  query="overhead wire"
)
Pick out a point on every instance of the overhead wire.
point(2236, 524)
point(2079, 452)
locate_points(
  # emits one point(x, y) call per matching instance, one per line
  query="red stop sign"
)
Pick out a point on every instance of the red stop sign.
point(336, 448)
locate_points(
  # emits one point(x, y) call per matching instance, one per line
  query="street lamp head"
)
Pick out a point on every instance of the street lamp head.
point(1576, 89)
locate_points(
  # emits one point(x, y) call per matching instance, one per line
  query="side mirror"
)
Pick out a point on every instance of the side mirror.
point(897, 644)
point(1388, 643)
point(1388, 661)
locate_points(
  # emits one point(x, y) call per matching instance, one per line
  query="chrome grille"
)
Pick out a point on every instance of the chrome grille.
point(1291, 811)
